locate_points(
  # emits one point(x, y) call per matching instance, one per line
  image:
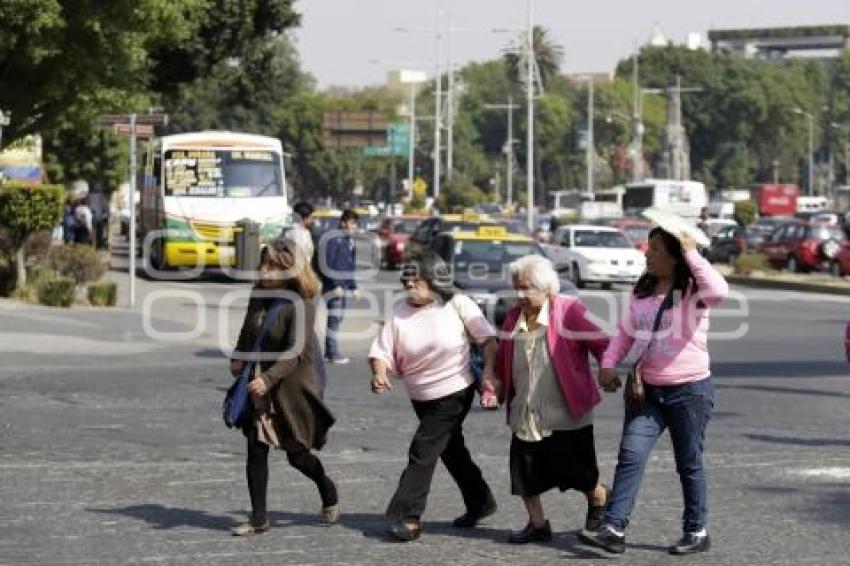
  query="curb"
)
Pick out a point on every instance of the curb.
point(764, 283)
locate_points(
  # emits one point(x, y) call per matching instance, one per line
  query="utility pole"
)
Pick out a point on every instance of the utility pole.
point(637, 122)
point(508, 147)
point(811, 117)
point(590, 152)
point(450, 109)
point(438, 105)
point(529, 54)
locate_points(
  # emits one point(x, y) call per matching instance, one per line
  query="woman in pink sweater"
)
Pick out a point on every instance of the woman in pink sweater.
point(679, 393)
point(425, 344)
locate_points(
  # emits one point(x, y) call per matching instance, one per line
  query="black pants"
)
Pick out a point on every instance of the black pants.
point(439, 436)
point(257, 472)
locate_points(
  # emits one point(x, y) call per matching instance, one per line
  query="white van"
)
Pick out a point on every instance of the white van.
point(685, 198)
point(721, 210)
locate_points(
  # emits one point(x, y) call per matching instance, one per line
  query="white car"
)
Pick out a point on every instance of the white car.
point(595, 254)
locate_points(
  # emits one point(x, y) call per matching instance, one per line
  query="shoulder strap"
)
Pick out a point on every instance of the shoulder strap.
point(463, 322)
point(655, 325)
point(268, 320)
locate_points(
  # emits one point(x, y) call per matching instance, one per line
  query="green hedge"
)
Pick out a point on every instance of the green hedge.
point(103, 294)
point(56, 292)
point(26, 209)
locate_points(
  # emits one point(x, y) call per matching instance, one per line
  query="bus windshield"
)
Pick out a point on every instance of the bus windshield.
point(222, 173)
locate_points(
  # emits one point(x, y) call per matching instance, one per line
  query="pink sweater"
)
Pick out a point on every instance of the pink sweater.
point(427, 346)
point(678, 353)
point(571, 336)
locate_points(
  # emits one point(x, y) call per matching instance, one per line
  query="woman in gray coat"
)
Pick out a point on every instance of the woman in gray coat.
point(288, 411)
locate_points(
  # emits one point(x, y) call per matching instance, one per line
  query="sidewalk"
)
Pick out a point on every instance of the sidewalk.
point(803, 282)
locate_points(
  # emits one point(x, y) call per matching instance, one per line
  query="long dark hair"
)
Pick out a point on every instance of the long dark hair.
point(431, 268)
point(683, 279)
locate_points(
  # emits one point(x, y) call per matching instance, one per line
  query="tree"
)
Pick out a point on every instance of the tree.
point(25, 210)
point(547, 57)
point(745, 212)
point(59, 54)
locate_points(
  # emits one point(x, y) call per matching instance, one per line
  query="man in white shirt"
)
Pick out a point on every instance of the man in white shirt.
point(300, 232)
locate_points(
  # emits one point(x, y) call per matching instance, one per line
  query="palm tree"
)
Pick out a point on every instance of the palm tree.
point(547, 56)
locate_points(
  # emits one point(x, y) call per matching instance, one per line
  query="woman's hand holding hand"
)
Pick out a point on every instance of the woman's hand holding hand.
point(609, 380)
point(381, 383)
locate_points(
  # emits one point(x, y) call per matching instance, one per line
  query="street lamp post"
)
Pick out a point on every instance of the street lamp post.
point(846, 152)
point(810, 116)
point(529, 56)
point(509, 147)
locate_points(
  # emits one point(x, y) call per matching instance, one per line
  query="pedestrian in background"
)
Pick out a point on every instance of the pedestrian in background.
point(84, 231)
point(543, 374)
point(424, 344)
point(100, 216)
point(336, 267)
point(301, 230)
point(670, 306)
point(69, 221)
point(288, 411)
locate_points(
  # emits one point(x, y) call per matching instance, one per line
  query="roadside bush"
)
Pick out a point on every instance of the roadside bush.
point(56, 292)
point(745, 212)
point(77, 261)
point(103, 294)
point(25, 210)
point(747, 263)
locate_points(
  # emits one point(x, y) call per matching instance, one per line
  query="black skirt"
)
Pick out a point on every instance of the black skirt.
point(566, 459)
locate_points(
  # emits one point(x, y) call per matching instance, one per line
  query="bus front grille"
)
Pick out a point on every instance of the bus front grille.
point(213, 232)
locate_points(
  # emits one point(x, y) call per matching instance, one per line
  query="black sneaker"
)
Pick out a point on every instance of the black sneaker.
point(596, 514)
point(470, 519)
point(604, 538)
point(531, 534)
point(691, 544)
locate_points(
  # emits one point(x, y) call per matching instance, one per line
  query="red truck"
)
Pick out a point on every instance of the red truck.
point(776, 200)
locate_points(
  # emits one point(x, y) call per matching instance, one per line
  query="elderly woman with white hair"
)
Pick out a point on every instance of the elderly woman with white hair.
point(543, 375)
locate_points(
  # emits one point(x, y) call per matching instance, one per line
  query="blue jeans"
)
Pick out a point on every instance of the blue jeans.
point(685, 410)
point(336, 308)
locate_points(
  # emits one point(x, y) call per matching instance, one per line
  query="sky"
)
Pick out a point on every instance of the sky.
point(353, 42)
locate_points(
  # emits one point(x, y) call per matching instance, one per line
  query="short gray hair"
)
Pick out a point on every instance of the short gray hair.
point(540, 272)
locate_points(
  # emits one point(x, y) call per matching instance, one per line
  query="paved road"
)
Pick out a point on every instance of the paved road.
point(119, 456)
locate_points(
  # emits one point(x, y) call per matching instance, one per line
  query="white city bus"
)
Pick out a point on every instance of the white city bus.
point(685, 198)
point(198, 186)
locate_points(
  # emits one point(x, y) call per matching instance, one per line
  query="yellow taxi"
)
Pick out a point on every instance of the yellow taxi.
point(479, 259)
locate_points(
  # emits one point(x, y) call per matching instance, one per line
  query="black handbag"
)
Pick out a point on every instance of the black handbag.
point(633, 392)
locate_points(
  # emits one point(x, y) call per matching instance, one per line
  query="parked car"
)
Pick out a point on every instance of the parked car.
point(595, 254)
point(391, 239)
point(732, 241)
point(840, 265)
point(636, 229)
point(803, 246)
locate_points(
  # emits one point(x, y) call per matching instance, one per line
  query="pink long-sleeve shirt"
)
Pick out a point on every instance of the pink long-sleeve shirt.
point(427, 347)
point(678, 353)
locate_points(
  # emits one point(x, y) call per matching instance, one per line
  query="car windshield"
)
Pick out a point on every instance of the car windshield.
point(824, 232)
point(637, 233)
point(492, 254)
point(600, 239)
point(405, 226)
